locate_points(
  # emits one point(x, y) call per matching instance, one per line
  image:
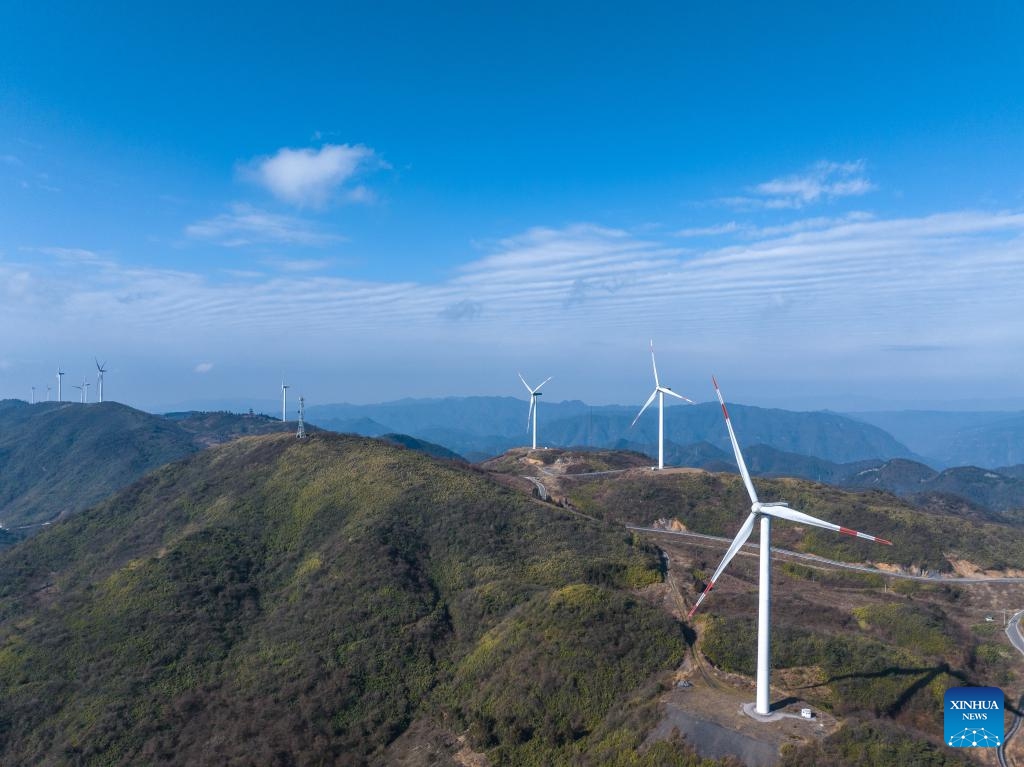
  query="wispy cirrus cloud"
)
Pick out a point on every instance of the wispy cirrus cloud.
point(312, 177)
point(246, 225)
point(854, 288)
point(203, 367)
point(822, 182)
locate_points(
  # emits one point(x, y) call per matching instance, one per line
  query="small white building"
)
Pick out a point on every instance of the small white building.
point(806, 713)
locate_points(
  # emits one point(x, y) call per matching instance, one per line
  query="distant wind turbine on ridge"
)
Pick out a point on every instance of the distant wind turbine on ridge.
point(101, 369)
point(532, 412)
point(60, 375)
point(659, 392)
point(81, 397)
point(284, 401)
point(764, 512)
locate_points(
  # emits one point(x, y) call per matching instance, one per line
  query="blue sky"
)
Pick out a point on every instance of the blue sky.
point(825, 207)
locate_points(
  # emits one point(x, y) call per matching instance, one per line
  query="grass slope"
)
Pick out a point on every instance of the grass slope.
point(272, 601)
point(717, 504)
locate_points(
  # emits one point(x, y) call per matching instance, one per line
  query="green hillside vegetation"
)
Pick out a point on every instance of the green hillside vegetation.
point(274, 601)
point(717, 504)
point(60, 458)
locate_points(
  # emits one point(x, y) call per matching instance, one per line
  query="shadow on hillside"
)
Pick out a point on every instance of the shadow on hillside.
point(926, 676)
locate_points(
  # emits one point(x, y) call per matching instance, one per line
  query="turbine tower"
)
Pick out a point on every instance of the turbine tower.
point(301, 433)
point(100, 370)
point(60, 374)
point(85, 392)
point(532, 412)
point(284, 401)
point(48, 390)
point(81, 397)
point(764, 512)
point(33, 396)
point(659, 392)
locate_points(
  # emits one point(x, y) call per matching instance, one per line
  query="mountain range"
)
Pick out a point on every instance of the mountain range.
point(481, 427)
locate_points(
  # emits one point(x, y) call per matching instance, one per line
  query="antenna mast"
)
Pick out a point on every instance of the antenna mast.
point(301, 433)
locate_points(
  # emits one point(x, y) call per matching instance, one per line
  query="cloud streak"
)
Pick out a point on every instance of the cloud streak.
point(824, 181)
point(245, 225)
point(869, 290)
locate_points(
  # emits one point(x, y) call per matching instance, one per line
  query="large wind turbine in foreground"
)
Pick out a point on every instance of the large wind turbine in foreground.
point(532, 412)
point(764, 512)
point(659, 392)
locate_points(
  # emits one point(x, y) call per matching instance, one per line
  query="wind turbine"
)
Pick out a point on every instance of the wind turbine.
point(85, 391)
point(33, 396)
point(659, 392)
point(48, 389)
point(532, 412)
point(60, 374)
point(764, 512)
point(284, 401)
point(101, 369)
point(81, 397)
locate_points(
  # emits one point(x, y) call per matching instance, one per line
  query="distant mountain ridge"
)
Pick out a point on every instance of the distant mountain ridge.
point(985, 439)
point(481, 427)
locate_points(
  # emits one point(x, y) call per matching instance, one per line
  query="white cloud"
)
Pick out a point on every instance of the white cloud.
point(822, 182)
point(204, 367)
point(309, 177)
point(246, 225)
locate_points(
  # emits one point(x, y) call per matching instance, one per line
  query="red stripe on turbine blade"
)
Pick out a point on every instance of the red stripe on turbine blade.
point(725, 412)
point(883, 541)
point(848, 531)
point(693, 609)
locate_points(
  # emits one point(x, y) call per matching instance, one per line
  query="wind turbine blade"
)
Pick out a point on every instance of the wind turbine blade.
point(737, 542)
point(647, 404)
point(524, 383)
point(736, 446)
point(542, 383)
point(784, 512)
point(529, 413)
point(671, 393)
point(655, 366)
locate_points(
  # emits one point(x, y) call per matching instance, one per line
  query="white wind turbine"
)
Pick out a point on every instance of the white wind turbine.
point(764, 512)
point(659, 392)
point(284, 401)
point(100, 370)
point(60, 375)
point(532, 412)
point(81, 397)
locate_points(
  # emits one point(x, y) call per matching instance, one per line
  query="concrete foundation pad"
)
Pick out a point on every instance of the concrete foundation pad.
point(774, 716)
